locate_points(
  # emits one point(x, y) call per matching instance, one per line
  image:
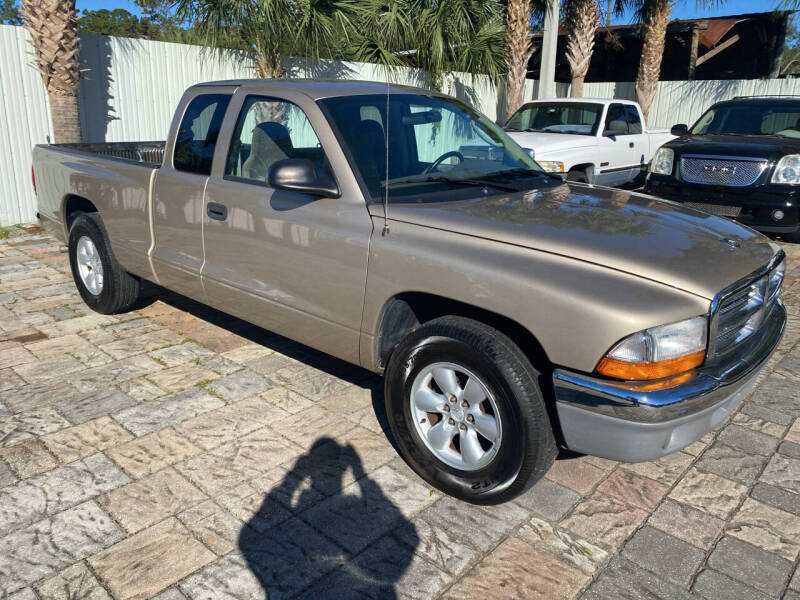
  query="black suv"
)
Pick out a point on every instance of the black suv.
point(740, 160)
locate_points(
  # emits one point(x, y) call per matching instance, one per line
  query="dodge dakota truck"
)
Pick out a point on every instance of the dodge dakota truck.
point(511, 313)
point(594, 140)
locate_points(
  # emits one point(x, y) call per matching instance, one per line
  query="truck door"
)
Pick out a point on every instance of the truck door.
point(177, 198)
point(618, 147)
point(291, 262)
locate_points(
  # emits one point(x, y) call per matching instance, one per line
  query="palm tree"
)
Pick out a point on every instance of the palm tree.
point(518, 16)
point(582, 19)
point(53, 27)
point(654, 17)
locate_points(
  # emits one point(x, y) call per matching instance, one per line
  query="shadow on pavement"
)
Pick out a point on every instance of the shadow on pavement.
point(328, 548)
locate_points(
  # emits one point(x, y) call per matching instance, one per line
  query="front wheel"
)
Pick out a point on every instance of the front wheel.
point(466, 410)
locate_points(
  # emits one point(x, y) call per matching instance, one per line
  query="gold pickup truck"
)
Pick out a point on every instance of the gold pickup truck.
point(398, 229)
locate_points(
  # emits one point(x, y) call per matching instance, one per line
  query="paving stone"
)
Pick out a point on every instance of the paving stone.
point(286, 559)
point(789, 449)
point(28, 458)
point(666, 556)
point(9, 380)
point(713, 585)
point(151, 499)
point(96, 405)
point(574, 551)
point(387, 569)
point(46, 494)
point(777, 497)
point(145, 563)
point(214, 526)
point(575, 474)
point(732, 463)
point(290, 401)
point(116, 372)
point(758, 424)
point(73, 583)
point(317, 386)
point(241, 460)
point(750, 565)
point(767, 414)
point(175, 594)
point(240, 385)
point(548, 500)
point(436, 545)
point(687, 523)
point(7, 476)
point(306, 427)
point(793, 435)
point(634, 489)
point(74, 443)
point(258, 508)
point(708, 492)
point(604, 520)
point(219, 426)
point(181, 354)
point(748, 440)
point(791, 595)
point(152, 452)
point(229, 578)
point(768, 528)
point(12, 355)
point(272, 363)
point(175, 379)
point(56, 347)
point(24, 425)
point(624, 579)
point(517, 570)
point(795, 582)
point(777, 394)
point(170, 410)
point(91, 357)
point(50, 545)
point(383, 500)
point(141, 389)
point(49, 370)
point(784, 472)
point(141, 343)
point(23, 594)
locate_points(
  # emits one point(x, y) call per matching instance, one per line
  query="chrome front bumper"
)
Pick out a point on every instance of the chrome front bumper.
point(626, 421)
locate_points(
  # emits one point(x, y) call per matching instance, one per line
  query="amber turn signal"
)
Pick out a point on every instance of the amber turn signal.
point(620, 369)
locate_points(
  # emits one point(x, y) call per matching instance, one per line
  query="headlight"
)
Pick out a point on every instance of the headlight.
point(551, 166)
point(775, 281)
point(787, 170)
point(658, 352)
point(662, 161)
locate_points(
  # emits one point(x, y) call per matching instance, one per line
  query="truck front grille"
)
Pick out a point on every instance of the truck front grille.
point(742, 312)
point(722, 170)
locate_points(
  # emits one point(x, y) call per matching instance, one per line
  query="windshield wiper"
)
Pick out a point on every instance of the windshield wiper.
point(443, 179)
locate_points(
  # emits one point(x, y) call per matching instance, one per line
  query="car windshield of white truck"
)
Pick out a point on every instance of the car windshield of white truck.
point(576, 118)
point(750, 119)
point(437, 148)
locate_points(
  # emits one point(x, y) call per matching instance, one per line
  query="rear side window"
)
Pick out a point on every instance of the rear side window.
point(197, 134)
point(616, 122)
point(634, 121)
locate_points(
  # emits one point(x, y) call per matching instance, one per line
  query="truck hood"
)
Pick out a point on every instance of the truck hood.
point(626, 231)
point(545, 143)
point(756, 146)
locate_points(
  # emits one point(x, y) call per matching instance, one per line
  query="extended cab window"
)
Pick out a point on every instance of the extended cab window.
point(616, 121)
point(634, 121)
point(197, 134)
point(269, 130)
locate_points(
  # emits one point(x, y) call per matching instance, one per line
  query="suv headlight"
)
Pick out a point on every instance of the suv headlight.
point(658, 352)
point(662, 161)
point(787, 170)
point(551, 166)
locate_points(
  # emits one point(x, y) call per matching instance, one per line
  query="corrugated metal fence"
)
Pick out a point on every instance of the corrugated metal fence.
point(130, 88)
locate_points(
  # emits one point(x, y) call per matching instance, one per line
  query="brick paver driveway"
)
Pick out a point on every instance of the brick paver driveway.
point(178, 453)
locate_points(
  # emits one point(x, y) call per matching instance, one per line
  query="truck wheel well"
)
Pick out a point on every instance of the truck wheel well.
point(587, 168)
point(405, 312)
point(74, 206)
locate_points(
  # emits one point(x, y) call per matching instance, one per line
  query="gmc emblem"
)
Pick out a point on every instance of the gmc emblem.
point(720, 170)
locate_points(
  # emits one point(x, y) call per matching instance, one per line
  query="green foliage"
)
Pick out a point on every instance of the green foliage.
point(9, 13)
point(117, 22)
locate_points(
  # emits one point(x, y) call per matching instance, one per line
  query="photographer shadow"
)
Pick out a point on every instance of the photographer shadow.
point(334, 545)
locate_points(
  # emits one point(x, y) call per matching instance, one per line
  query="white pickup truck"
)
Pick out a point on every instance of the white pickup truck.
point(595, 140)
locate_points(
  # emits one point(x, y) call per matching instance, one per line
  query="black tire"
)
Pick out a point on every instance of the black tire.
point(578, 175)
point(120, 290)
point(527, 448)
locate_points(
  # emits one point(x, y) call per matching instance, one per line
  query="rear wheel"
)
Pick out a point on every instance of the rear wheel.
point(102, 283)
point(466, 410)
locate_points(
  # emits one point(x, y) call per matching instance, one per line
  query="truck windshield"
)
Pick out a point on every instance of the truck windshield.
point(577, 118)
point(437, 148)
point(750, 119)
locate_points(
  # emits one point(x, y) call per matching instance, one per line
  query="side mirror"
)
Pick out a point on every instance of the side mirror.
point(679, 130)
point(300, 175)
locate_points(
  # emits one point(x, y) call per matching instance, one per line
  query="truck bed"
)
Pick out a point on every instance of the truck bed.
point(149, 153)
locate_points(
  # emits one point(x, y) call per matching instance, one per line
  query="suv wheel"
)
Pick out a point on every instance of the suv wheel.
point(466, 410)
point(104, 286)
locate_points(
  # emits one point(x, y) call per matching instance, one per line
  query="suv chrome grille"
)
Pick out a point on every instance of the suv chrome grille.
point(722, 170)
point(742, 312)
point(720, 210)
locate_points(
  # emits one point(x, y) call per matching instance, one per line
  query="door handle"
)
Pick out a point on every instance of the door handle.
point(217, 211)
point(630, 144)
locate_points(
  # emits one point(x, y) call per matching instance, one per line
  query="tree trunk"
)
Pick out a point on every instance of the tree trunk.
point(518, 16)
point(65, 117)
point(655, 31)
point(582, 20)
